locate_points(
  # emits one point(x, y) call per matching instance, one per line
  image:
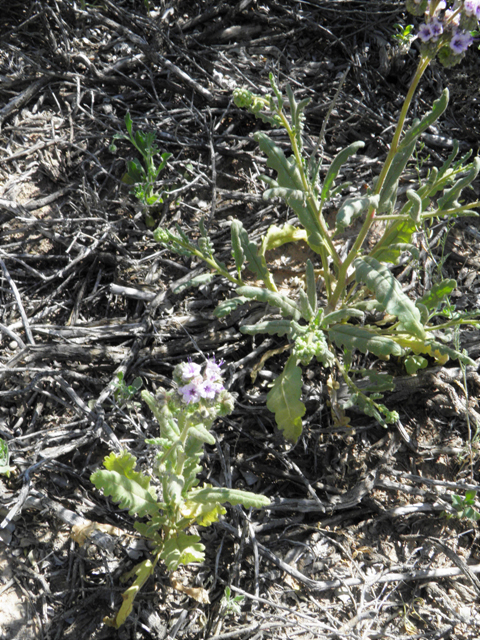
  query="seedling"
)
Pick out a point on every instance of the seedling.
point(143, 174)
point(465, 507)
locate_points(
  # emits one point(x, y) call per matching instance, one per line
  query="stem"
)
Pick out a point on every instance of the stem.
point(313, 205)
point(370, 217)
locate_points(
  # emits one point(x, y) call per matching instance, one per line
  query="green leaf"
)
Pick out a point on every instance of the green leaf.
point(470, 496)
point(311, 284)
point(334, 168)
point(286, 306)
point(201, 433)
point(352, 208)
point(376, 382)
point(182, 549)
point(278, 236)
point(365, 340)
point(437, 294)
point(249, 250)
point(226, 307)
point(450, 197)
point(203, 278)
point(388, 192)
point(388, 292)
point(340, 315)
point(237, 248)
point(414, 363)
point(221, 495)
point(129, 493)
point(143, 571)
point(415, 212)
point(283, 400)
point(272, 327)
point(124, 463)
point(422, 125)
point(397, 235)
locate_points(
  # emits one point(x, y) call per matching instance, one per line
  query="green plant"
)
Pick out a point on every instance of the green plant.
point(185, 415)
point(362, 306)
point(123, 393)
point(465, 507)
point(143, 177)
point(230, 606)
point(5, 467)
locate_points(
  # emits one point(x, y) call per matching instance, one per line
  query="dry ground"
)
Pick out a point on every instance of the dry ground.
point(355, 544)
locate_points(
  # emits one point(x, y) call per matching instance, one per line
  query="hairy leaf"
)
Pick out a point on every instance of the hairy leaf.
point(352, 208)
point(249, 250)
point(143, 571)
point(337, 163)
point(388, 192)
point(414, 363)
point(450, 197)
point(237, 248)
point(437, 294)
point(203, 278)
point(283, 400)
point(220, 495)
point(311, 284)
point(388, 292)
point(365, 340)
point(341, 314)
point(286, 306)
point(397, 235)
point(226, 307)
point(428, 119)
point(182, 549)
point(278, 236)
point(272, 327)
point(129, 493)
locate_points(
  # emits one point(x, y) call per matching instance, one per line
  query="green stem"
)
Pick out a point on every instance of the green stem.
point(311, 200)
point(370, 217)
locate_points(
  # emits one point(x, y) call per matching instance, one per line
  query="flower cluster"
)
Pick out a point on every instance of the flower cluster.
point(311, 344)
point(195, 385)
point(447, 27)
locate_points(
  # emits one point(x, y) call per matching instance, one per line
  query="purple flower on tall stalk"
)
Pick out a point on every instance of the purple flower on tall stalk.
point(460, 41)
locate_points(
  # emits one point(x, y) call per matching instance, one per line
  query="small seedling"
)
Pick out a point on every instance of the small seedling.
point(465, 507)
point(230, 606)
point(5, 467)
point(124, 393)
point(143, 174)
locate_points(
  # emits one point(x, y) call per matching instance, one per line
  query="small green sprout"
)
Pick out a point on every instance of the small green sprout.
point(230, 606)
point(124, 393)
point(5, 467)
point(143, 174)
point(465, 507)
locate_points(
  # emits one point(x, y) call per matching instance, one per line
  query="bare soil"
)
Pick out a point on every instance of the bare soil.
point(356, 543)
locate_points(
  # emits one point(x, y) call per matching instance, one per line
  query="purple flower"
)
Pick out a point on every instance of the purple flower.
point(209, 389)
point(425, 32)
point(436, 28)
point(212, 370)
point(460, 42)
point(190, 392)
point(190, 370)
point(472, 8)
